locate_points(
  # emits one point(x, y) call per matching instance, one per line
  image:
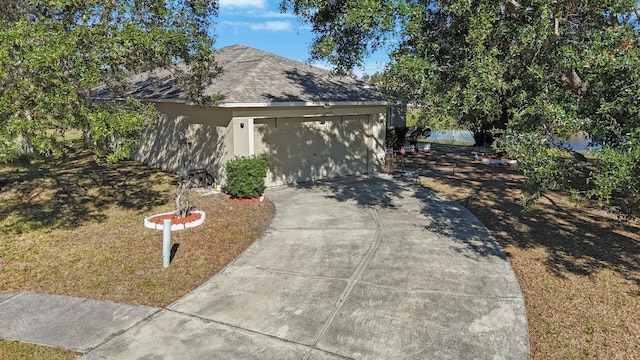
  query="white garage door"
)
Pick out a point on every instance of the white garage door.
point(304, 149)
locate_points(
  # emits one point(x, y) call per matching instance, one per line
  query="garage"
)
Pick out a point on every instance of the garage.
point(312, 148)
point(308, 122)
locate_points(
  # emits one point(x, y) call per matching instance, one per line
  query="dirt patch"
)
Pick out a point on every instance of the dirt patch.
point(578, 267)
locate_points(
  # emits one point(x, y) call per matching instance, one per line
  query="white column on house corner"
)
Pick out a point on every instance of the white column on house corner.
point(242, 129)
point(252, 145)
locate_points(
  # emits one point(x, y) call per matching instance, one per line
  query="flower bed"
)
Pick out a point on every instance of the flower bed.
point(157, 221)
point(247, 201)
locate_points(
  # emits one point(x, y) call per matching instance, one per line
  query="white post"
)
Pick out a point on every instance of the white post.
point(166, 243)
point(252, 145)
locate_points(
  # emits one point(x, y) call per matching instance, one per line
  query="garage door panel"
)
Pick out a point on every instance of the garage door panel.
point(349, 154)
point(303, 149)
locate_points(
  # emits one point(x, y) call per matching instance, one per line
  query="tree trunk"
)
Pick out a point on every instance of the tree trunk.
point(512, 5)
point(482, 137)
point(183, 208)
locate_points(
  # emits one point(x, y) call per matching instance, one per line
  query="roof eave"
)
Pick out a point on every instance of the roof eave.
point(302, 104)
point(263, 104)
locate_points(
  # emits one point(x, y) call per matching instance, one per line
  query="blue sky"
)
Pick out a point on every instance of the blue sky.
point(260, 24)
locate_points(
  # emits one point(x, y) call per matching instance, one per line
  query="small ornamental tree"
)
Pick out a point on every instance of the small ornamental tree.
point(246, 175)
point(183, 208)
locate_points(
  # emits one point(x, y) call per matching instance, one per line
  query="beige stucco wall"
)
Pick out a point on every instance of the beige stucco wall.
point(219, 134)
point(206, 129)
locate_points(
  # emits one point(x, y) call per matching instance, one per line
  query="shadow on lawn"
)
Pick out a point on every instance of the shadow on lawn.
point(579, 240)
point(74, 190)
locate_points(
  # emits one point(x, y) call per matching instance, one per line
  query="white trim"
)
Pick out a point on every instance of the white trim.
point(302, 104)
point(261, 104)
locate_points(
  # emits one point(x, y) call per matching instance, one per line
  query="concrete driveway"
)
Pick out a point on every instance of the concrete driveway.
point(360, 268)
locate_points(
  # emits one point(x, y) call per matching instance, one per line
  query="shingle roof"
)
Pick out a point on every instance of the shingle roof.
point(255, 76)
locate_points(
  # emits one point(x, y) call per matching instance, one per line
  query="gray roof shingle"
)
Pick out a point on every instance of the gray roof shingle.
point(255, 76)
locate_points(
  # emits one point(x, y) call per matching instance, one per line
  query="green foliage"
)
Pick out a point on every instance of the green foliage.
point(246, 175)
point(115, 130)
point(618, 181)
point(350, 29)
point(540, 68)
point(426, 118)
point(375, 79)
point(53, 53)
point(546, 168)
point(412, 118)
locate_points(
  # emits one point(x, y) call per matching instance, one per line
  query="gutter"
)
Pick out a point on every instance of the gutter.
point(327, 104)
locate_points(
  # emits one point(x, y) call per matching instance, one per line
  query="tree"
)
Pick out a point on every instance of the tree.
point(375, 78)
point(54, 52)
point(532, 72)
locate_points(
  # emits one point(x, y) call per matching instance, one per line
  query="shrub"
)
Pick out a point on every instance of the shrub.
point(398, 136)
point(245, 176)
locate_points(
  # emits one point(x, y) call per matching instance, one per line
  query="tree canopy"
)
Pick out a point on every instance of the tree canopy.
point(533, 72)
point(54, 52)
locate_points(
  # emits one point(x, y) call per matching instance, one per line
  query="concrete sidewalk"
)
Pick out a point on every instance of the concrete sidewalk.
point(355, 268)
point(63, 321)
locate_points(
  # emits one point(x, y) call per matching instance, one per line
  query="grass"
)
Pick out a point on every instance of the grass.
point(74, 227)
point(446, 142)
point(578, 267)
point(13, 350)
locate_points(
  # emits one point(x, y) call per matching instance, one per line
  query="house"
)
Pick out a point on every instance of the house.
point(309, 124)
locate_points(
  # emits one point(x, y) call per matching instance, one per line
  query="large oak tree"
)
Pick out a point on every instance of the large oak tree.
point(53, 52)
point(533, 72)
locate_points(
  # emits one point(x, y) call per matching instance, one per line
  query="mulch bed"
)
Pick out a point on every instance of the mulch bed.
point(159, 219)
point(246, 201)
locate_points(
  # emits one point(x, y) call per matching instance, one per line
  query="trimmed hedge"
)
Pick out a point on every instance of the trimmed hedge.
point(246, 175)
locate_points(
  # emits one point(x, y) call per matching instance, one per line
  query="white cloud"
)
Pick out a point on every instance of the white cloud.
point(373, 67)
point(260, 26)
point(234, 23)
point(272, 26)
point(368, 68)
point(274, 14)
point(260, 4)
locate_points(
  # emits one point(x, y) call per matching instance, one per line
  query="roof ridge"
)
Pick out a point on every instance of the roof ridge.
point(250, 76)
point(253, 75)
point(279, 58)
